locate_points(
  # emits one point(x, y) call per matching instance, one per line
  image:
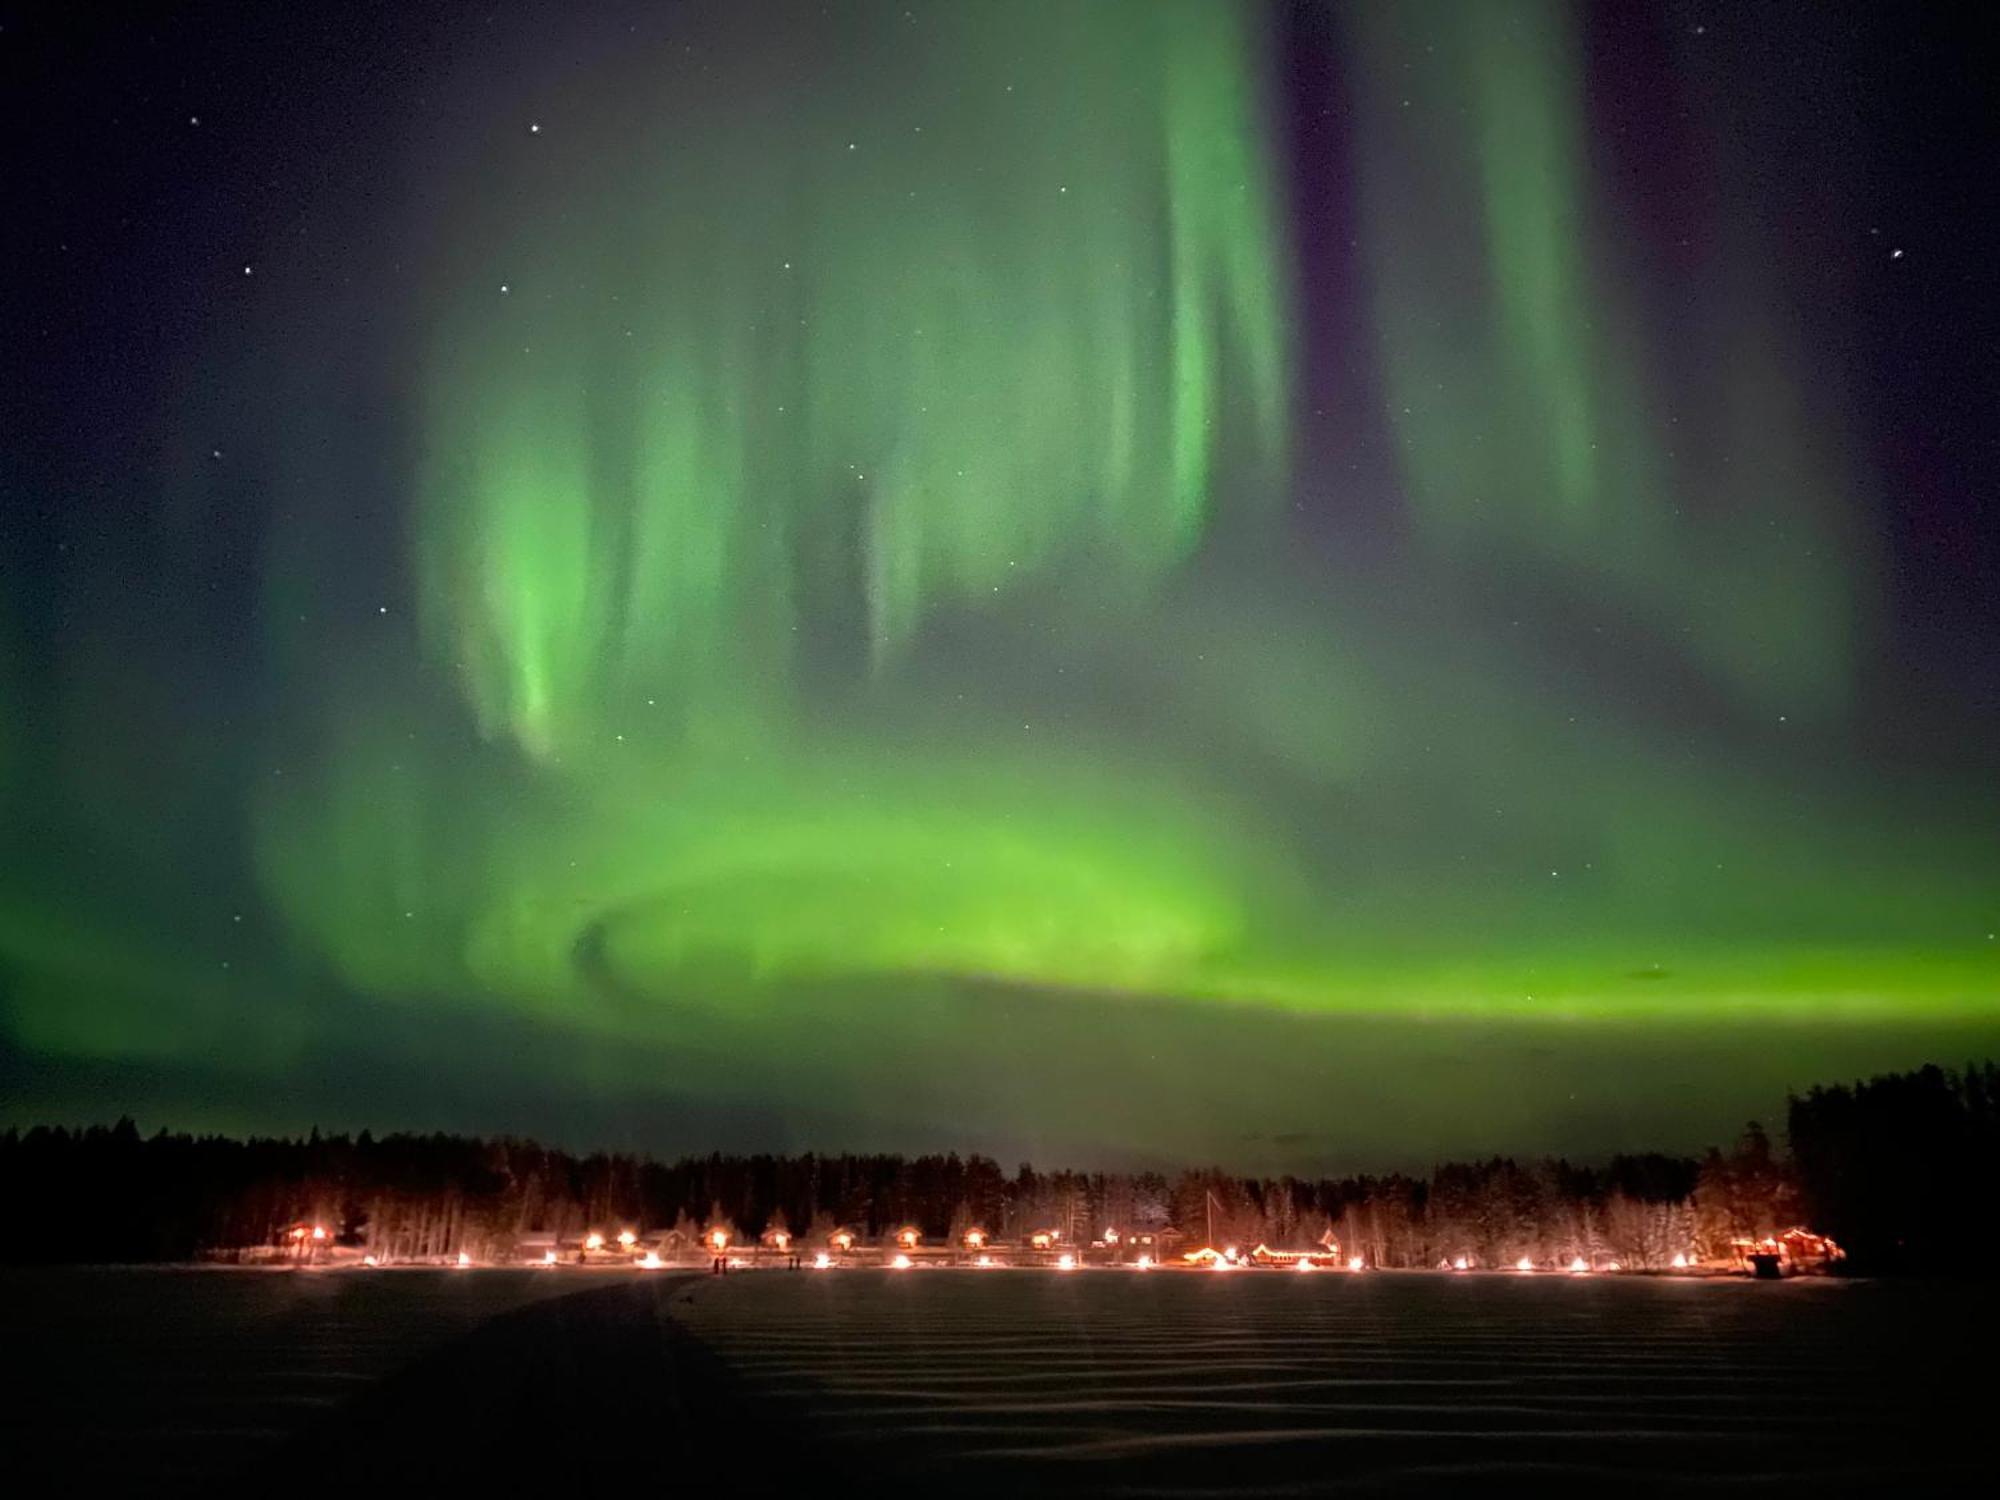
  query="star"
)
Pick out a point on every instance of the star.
point(503, 288)
point(534, 129)
point(1895, 255)
point(246, 270)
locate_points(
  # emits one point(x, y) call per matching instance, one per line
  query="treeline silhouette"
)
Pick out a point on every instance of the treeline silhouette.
point(1904, 1169)
point(1900, 1170)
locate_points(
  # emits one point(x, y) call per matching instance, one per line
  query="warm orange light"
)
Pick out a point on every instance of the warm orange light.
point(319, 1231)
point(781, 1239)
point(718, 1239)
point(464, 1259)
point(650, 1261)
point(593, 1241)
point(842, 1239)
point(1230, 1255)
point(369, 1260)
point(1302, 1264)
point(1110, 1236)
point(627, 1238)
point(1613, 1266)
point(1578, 1265)
point(1065, 1262)
point(1461, 1264)
point(1145, 1262)
point(984, 1260)
point(900, 1263)
point(1041, 1240)
point(548, 1257)
point(907, 1238)
point(974, 1238)
point(1680, 1262)
point(822, 1261)
point(1524, 1264)
point(299, 1232)
point(1355, 1263)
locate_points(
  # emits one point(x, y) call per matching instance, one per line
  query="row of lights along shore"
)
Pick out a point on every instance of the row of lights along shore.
point(716, 1249)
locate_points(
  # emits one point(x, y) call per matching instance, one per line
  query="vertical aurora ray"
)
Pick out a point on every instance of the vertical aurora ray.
point(712, 432)
point(809, 372)
point(1530, 398)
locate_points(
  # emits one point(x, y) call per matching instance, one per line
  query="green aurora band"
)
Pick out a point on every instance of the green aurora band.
point(852, 576)
point(695, 489)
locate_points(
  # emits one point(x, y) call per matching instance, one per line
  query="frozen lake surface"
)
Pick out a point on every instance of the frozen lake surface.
point(1275, 1382)
point(995, 1382)
point(124, 1375)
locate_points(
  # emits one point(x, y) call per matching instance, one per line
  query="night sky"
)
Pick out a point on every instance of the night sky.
point(1301, 585)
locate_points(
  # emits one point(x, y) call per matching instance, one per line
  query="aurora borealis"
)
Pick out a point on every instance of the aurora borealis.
point(1116, 579)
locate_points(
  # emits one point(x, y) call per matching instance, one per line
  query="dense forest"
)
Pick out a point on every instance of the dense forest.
point(1900, 1170)
point(1903, 1170)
